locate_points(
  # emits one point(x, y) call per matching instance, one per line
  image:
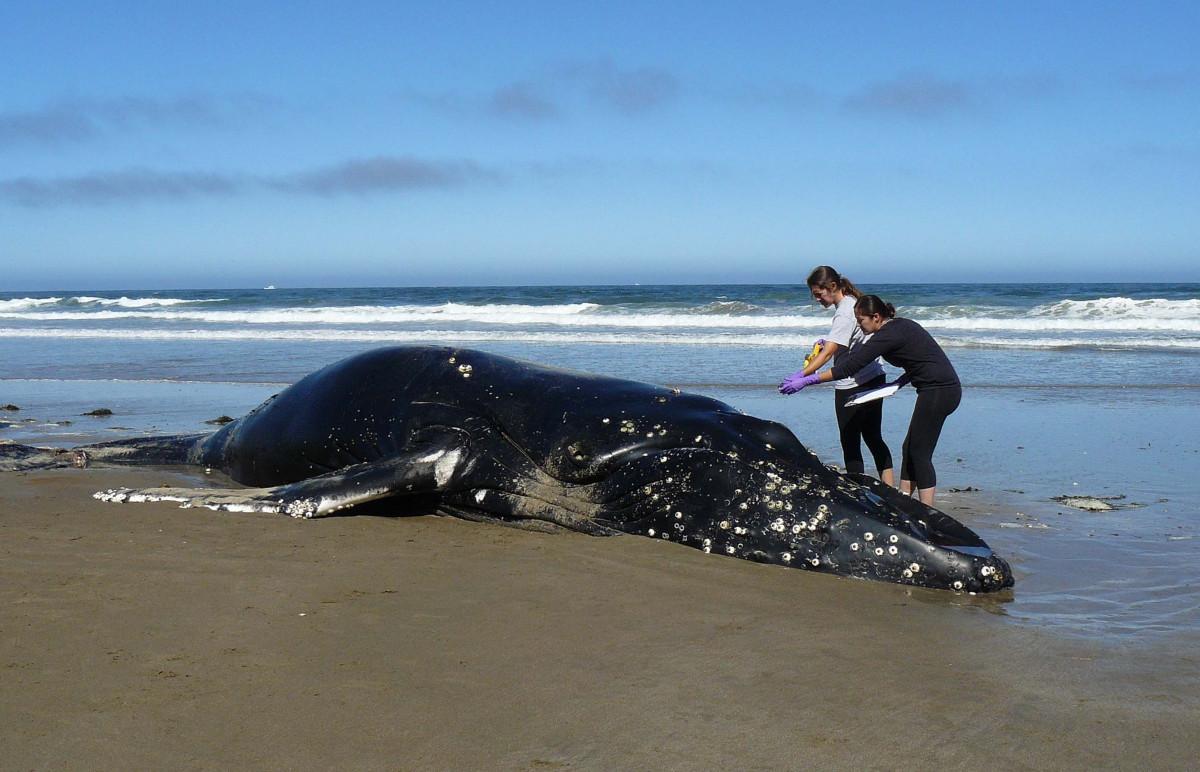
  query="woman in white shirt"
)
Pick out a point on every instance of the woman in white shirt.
point(860, 422)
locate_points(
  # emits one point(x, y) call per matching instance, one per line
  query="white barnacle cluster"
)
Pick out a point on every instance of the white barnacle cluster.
point(465, 369)
point(302, 508)
point(819, 520)
point(627, 426)
point(990, 574)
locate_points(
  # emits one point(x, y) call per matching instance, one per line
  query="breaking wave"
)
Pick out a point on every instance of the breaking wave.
point(683, 316)
point(698, 338)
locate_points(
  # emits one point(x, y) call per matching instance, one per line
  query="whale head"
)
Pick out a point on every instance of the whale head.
point(732, 484)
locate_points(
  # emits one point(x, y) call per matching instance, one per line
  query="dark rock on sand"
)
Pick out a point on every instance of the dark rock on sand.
point(98, 412)
point(10, 407)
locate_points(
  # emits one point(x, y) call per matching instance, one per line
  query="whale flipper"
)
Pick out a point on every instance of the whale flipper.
point(434, 467)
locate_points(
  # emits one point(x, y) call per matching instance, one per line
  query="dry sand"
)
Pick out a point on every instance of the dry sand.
point(146, 636)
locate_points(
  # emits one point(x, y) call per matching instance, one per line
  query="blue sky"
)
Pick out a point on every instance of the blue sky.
point(359, 143)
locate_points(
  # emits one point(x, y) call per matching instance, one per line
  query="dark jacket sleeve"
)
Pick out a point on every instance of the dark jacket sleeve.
point(862, 355)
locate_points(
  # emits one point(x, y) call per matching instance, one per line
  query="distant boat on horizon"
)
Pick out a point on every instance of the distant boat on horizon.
point(269, 286)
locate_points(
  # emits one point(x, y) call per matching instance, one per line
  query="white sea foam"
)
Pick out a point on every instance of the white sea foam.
point(1063, 324)
point(124, 302)
point(574, 315)
point(581, 337)
point(1123, 308)
point(23, 304)
point(1174, 320)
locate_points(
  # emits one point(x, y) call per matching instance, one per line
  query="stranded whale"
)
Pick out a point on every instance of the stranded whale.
point(486, 437)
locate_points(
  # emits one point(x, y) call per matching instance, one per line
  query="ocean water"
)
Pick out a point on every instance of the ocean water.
point(1070, 389)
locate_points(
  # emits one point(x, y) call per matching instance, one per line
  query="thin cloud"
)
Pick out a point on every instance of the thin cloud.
point(378, 175)
point(383, 174)
point(49, 125)
point(627, 91)
point(84, 119)
point(914, 96)
point(522, 100)
point(543, 96)
point(115, 187)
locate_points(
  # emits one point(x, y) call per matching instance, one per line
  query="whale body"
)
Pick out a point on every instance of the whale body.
point(487, 437)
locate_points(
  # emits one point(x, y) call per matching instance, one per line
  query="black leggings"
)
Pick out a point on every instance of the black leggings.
point(933, 406)
point(861, 422)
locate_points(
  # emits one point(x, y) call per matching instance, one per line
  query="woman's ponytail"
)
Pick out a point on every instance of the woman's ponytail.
point(826, 276)
point(870, 305)
point(848, 288)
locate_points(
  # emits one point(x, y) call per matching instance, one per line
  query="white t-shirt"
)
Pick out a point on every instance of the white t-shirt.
point(846, 333)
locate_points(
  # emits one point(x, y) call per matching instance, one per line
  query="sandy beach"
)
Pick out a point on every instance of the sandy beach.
point(153, 637)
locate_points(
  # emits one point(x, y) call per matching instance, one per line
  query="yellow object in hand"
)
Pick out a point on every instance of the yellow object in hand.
point(816, 349)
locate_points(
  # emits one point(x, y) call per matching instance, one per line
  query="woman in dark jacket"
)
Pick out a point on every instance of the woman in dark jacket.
point(906, 344)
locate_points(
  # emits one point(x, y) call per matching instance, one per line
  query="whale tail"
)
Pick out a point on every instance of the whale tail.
point(20, 458)
point(139, 451)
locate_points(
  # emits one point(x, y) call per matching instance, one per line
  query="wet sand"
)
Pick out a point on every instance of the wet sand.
point(147, 636)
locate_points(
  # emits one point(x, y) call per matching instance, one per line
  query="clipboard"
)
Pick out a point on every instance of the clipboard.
point(882, 392)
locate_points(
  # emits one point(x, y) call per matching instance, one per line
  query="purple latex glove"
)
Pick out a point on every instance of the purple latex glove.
point(797, 381)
